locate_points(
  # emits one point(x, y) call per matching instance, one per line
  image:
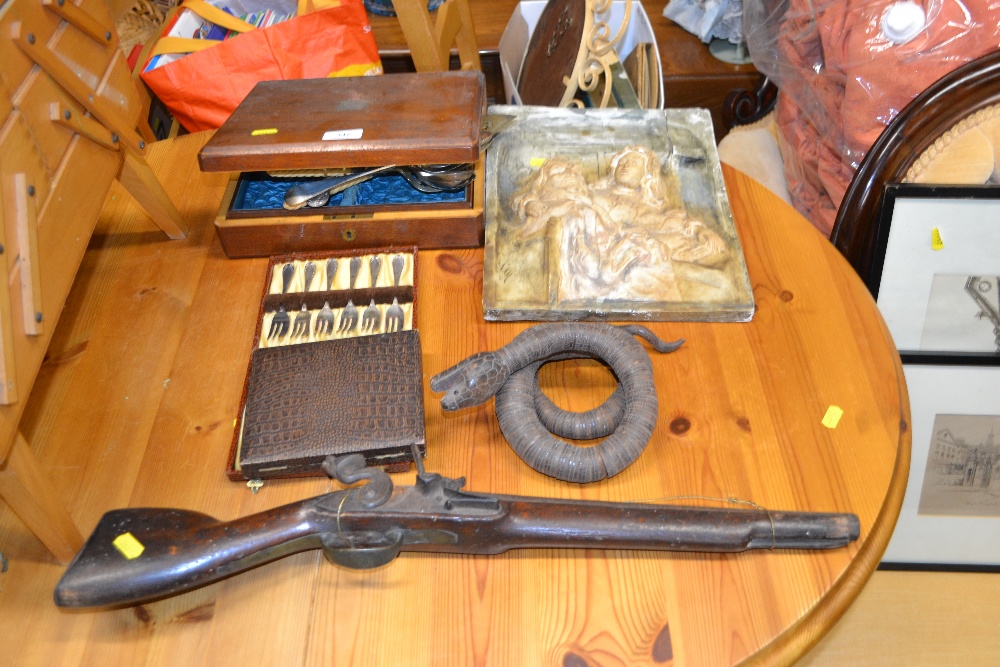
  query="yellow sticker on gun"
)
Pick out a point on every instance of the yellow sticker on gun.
point(264, 131)
point(129, 546)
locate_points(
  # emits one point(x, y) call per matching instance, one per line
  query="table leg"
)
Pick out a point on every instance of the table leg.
point(28, 491)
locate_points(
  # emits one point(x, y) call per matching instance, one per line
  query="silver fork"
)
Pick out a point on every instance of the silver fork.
point(324, 321)
point(371, 321)
point(348, 318)
point(279, 324)
point(394, 317)
point(300, 327)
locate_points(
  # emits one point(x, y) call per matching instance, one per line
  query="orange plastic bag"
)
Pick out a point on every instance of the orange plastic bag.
point(203, 87)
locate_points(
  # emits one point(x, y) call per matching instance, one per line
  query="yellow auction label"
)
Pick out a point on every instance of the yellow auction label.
point(537, 161)
point(832, 416)
point(936, 242)
point(263, 131)
point(129, 546)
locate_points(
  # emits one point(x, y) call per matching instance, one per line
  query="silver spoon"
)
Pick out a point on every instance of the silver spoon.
point(397, 269)
point(298, 196)
point(428, 178)
point(310, 274)
point(331, 272)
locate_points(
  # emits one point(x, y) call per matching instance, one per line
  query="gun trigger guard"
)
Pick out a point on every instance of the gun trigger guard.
point(366, 558)
point(352, 468)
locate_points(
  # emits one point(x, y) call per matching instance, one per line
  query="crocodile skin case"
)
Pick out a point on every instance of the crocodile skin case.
point(308, 401)
point(335, 367)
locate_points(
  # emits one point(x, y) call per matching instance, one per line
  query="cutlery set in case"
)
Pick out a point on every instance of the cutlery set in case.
point(336, 365)
point(417, 130)
point(336, 369)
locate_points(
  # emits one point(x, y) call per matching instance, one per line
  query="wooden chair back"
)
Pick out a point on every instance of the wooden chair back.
point(430, 41)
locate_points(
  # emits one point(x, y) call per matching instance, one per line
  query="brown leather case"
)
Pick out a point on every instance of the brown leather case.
point(267, 457)
point(306, 402)
point(369, 121)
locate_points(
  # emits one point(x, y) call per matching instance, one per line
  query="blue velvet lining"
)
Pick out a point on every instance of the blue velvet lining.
point(259, 191)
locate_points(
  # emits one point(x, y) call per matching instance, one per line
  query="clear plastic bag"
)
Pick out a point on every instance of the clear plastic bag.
point(845, 69)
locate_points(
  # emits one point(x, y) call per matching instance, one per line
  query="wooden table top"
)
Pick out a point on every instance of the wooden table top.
point(740, 417)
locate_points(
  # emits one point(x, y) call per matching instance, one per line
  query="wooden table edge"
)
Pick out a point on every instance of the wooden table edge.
point(793, 643)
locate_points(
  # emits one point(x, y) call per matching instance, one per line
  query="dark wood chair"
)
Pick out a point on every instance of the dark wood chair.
point(744, 106)
point(955, 102)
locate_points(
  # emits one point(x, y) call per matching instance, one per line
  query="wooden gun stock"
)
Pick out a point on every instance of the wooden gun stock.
point(169, 551)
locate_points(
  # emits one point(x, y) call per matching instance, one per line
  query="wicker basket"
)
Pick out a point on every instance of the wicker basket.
point(142, 22)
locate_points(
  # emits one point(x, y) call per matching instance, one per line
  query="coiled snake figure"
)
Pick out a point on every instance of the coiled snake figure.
point(528, 418)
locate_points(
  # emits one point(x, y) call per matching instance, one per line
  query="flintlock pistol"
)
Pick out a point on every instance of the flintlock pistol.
point(366, 526)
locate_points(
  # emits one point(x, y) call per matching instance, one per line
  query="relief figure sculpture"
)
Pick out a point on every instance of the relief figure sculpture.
point(618, 236)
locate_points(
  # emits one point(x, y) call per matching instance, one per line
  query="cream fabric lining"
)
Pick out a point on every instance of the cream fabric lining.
point(340, 281)
point(754, 150)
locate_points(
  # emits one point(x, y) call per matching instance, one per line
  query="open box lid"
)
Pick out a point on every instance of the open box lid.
point(368, 121)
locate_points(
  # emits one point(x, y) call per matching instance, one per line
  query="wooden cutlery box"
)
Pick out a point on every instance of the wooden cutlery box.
point(288, 132)
point(336, 367)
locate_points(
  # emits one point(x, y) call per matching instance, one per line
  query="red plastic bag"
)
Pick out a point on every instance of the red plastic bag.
point(201, 89)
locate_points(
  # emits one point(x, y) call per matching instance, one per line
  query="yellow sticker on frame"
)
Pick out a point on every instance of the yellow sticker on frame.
point(937, 243)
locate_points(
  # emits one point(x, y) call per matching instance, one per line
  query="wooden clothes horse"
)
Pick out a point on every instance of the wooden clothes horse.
point(71, 122)
point(430, 42)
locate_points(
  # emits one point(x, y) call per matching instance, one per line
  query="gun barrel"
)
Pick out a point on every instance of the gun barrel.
point(547, 523)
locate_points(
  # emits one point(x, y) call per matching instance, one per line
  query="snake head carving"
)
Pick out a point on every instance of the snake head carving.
point(470, 382)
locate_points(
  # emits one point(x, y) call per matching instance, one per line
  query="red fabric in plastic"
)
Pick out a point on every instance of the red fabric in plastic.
point(850, 81)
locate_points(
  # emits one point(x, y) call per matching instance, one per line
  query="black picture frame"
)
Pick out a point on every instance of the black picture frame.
point(904, 250)
point(950, 516)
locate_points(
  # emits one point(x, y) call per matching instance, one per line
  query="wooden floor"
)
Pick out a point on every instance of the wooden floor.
point(104, 395)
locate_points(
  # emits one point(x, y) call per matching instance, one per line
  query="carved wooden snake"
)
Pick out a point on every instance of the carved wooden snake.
point(528, 419)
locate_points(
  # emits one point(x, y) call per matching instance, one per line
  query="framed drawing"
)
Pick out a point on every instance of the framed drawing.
point(936, 274)
point(610, 214)
point(950, 519)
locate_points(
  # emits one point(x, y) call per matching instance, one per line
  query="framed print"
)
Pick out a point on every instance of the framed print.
point(950, 519)
point(937, 273)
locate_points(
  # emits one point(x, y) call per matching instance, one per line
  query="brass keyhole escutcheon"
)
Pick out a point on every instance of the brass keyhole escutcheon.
point(349, 234)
